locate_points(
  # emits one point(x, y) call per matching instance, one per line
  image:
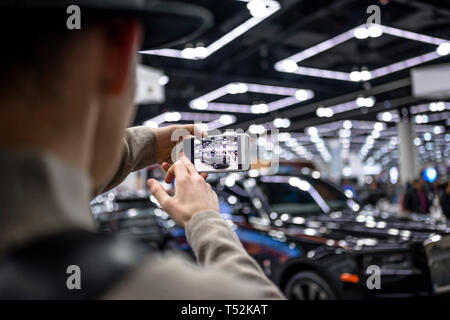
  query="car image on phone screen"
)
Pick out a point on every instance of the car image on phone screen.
point(222, 153)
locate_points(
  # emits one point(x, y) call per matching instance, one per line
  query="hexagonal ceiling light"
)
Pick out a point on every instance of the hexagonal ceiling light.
point(293, 96)
point(260, 10)
point(291, 64)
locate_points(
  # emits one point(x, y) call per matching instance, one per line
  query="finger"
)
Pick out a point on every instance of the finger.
point(189, 136)
point(158, 192)
point(165, 166)
point(204, 175)
point(193, 129)
point(216, 197)
point(180, 170)
point(190, 128)
point(190, 167)
point(170, 175)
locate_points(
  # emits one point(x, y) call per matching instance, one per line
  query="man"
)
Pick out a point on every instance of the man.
point(445, 200)
point(66, 99)
point(416, 200)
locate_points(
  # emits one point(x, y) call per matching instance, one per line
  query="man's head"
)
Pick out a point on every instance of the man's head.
point(417, 184)
point(68, 92)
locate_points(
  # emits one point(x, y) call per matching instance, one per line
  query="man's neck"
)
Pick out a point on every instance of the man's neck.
point(40, 194)
point(50, 128)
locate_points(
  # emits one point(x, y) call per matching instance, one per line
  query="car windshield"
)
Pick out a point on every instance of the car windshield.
point(301, 196)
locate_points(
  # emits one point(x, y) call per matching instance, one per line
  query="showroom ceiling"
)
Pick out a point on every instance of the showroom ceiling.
point(280, 63)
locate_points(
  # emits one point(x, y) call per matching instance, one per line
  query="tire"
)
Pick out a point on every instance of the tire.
point(308, 285)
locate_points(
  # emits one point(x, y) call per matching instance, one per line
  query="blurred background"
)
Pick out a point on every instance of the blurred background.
point(343, 94)
point(359, 92)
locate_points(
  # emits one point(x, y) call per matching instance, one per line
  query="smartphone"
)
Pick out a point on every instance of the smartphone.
point(222, 153)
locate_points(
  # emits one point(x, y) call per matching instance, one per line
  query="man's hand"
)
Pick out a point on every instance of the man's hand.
point(170, 173)
point(192, 193)
point(164, 143)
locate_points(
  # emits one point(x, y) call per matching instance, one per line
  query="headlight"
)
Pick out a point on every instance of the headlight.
point(387, 261)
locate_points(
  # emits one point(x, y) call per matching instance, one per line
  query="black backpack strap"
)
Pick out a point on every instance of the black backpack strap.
point(39, 270)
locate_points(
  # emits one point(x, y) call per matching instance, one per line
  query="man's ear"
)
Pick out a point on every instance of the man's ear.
point(122, 41)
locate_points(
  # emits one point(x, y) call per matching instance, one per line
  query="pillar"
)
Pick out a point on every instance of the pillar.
point(408, 154)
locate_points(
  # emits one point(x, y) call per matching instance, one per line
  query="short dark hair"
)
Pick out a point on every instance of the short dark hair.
point(34, 43)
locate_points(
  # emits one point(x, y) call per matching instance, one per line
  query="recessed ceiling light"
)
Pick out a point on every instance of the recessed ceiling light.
point(259, 8)
point(361, 33)
point(200, 104)
point(378, 126)
point(365, 75)
point(417, 141)
point(369, 102)
point(324, 112)
point(163, 80)
point(303, 95)
point(289, 65)
point(281, 123)
point(437, 130)
point(347, 124)
point(172, 116)
point(235, 88)
point(386, 116)
point(355, 76)
point(375, 31)
point(188, 53)
point(260, 108)
point(443, 49)
point(226, 119)
point(256, 129)
point(361, 101)
point(201, 52)
point(312, 131)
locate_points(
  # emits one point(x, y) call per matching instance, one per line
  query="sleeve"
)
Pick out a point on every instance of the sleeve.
point(172, 277)
point(225, 270)
point(139, 151)
point(215, 244)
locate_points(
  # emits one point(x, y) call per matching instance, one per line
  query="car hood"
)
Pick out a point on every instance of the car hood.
point(365, 229)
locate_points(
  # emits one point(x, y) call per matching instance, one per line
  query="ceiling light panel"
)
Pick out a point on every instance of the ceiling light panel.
point(291, 64)
point(210, 121)
point(295, 95)
point(260, 10)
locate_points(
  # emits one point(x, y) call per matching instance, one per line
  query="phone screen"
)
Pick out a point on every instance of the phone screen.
point(217, 153)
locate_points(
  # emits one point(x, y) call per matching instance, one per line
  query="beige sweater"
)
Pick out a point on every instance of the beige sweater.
point(57, 198)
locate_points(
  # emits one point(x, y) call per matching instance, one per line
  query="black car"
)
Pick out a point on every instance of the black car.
point(316, 243)
point(133, 214)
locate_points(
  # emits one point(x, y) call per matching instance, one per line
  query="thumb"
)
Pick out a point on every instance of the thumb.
point(158, 192)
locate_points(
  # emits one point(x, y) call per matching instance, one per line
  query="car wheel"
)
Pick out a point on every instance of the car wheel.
point(308, 285)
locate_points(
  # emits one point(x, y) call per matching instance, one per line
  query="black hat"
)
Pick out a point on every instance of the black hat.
point(166, 23)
